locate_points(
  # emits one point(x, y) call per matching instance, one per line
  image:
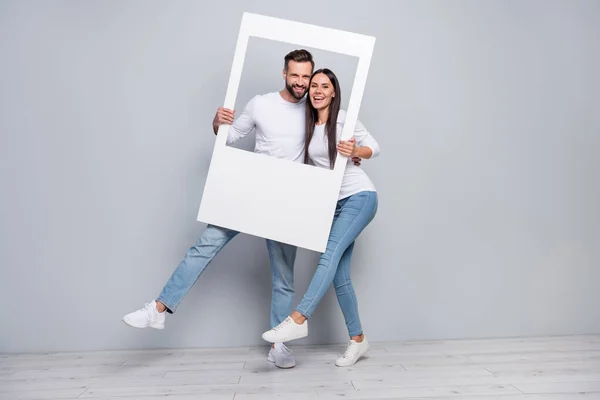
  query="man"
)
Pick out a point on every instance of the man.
point(278, 119)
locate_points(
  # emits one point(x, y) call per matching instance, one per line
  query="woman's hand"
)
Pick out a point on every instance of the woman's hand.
point(347, 148)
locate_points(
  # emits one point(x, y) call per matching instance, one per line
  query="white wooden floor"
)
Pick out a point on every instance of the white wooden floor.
point(553, 368)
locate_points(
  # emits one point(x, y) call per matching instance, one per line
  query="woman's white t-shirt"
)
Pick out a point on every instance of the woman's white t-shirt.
point(355, 179)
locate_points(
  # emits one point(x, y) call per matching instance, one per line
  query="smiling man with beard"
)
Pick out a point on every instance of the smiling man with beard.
point(279, 121)
point(278, 117)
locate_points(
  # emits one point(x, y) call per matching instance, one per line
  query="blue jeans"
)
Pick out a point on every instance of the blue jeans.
point(352, 215)
point(214, 238)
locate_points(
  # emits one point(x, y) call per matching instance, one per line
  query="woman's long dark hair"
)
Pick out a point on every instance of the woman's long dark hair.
point(330, 125)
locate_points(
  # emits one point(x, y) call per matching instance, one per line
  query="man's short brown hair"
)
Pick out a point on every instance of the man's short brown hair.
point(299, 56)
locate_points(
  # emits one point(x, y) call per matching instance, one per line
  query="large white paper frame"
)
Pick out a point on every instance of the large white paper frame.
point(273, 198)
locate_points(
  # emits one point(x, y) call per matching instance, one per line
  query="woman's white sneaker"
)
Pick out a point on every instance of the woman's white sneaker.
point(354, 351)
point(286, 331)
point(146, 317)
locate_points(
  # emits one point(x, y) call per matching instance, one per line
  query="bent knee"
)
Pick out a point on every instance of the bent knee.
point(342, 284)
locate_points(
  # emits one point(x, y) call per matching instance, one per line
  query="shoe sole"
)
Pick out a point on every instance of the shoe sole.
point(142, 327)
point(287, 339)
point(284, 366)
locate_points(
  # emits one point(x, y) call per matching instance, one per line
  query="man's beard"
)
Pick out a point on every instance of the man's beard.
point(297, 96)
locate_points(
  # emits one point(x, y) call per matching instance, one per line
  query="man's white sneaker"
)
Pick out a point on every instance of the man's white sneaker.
point(146, 317)
point(354, 351)
point(282, 356)
point(286, 331)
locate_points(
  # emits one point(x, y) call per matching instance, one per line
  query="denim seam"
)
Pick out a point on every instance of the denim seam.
point(355, 300)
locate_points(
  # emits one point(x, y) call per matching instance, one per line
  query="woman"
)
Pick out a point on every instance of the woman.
point(356, 207)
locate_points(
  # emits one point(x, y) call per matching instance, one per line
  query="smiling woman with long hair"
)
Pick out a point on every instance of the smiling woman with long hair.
point(356, 208)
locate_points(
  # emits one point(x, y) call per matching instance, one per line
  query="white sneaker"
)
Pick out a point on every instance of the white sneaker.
point(146, 317)
point(282, 356)
point(354, 351)
point(286, 331)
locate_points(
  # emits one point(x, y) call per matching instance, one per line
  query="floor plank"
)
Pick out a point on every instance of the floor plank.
point(560, 387)
point(542, 368)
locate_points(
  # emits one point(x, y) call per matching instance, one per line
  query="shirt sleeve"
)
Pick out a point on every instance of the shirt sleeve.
point(364, 138)
point(243, 124)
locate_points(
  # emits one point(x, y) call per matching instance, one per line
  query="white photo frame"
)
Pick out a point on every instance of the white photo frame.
point(273, 198)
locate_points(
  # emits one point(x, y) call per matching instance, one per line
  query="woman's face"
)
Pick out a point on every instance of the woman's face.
point(321, 91)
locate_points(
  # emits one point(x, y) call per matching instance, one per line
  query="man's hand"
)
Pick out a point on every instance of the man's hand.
point(356, 161)
point(223, 116)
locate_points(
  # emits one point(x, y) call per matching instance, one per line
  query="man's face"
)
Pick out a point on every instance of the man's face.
point(297, 77)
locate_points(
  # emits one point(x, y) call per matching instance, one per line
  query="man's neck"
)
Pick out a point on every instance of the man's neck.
point(287, 96)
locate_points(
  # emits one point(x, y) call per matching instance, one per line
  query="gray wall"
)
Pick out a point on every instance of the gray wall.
point(486, 112)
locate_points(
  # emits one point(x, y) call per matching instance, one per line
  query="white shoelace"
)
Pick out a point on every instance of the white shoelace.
point(351, 346)
point(149, 309)
point(285, 350)
point(282, 325)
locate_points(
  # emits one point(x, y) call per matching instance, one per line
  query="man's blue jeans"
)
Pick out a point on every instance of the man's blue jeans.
point(214, 238)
